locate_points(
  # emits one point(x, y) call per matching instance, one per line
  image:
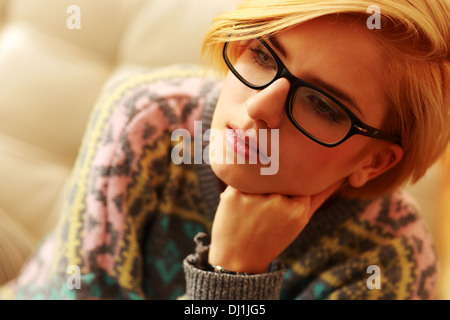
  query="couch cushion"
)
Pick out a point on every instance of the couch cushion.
point(32, 180)
point(102, 22)
point(169, 31)
point(16, 244)
point(48, 88)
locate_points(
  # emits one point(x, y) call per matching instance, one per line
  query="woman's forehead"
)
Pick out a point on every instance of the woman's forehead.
point(342, 55)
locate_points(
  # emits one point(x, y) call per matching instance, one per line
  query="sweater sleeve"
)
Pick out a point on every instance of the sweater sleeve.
point(206, 285)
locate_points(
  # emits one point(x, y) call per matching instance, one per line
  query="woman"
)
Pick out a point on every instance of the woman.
point(352, 114)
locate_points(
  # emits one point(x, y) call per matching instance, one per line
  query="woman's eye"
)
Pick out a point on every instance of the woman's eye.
point(263, 59)
point(324, 109)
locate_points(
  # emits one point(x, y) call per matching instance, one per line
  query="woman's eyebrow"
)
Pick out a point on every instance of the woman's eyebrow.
point(277, 45)
point(335, 92)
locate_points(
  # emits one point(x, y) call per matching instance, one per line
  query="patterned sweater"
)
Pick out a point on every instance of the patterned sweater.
point(130, 215)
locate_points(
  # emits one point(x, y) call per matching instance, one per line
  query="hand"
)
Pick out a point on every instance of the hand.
point(250, 231)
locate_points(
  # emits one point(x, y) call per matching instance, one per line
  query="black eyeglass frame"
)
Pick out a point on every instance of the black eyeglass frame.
point(357, 126)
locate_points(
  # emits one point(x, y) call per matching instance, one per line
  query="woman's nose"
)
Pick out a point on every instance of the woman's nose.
point(268, 104)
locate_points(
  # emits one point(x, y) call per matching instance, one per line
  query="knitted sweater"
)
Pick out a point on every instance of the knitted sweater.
point(130, 215)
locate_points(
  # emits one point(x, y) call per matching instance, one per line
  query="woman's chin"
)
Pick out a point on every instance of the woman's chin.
point(238, 180)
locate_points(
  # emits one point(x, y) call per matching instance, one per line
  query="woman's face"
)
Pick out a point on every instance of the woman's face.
point(322, 51)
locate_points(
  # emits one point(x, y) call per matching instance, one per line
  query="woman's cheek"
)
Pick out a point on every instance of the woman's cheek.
point(306, 172)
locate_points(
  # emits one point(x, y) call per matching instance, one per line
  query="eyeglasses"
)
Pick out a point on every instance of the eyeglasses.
point(317, 114)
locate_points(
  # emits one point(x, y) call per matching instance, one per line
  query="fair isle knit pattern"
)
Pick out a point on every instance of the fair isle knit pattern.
point(130, 214)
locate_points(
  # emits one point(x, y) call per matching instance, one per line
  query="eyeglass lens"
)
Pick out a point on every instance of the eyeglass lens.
point(314, 112)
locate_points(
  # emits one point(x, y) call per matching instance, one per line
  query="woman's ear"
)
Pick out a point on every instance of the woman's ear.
point(376, 163)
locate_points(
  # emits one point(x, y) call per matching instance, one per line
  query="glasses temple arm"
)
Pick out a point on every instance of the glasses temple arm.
point(369, 131)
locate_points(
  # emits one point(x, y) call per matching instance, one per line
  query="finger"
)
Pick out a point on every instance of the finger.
point(228, 192)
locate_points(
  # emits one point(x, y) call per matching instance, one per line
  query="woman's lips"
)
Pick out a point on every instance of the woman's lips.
point(237, 139)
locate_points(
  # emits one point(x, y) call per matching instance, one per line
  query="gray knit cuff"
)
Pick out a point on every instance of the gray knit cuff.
point(207, 285)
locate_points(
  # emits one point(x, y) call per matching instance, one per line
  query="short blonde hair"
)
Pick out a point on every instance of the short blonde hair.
point(415, 36)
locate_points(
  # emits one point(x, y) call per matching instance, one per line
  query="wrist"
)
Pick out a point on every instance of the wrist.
point(233, 264)
point(222, 270)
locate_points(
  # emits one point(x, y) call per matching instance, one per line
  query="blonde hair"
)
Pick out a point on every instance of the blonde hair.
point(415, 36)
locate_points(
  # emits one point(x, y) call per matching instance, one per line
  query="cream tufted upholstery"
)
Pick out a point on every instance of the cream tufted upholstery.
point(50, 78)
